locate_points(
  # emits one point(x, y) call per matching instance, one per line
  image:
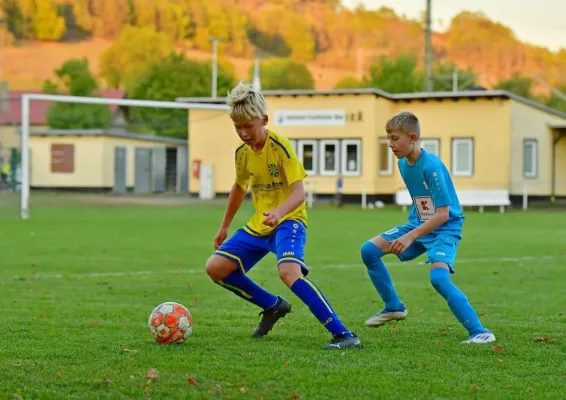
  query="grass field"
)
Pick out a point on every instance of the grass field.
point(77, 285)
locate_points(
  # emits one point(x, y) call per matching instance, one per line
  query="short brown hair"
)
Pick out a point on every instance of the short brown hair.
point(404, 121)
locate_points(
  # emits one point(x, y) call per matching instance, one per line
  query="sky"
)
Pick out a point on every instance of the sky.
point(539, 22)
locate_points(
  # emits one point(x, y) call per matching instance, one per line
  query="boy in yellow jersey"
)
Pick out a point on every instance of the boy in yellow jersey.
point(268, 163)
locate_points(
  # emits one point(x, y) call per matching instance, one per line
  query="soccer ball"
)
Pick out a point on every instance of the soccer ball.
point(170, 322)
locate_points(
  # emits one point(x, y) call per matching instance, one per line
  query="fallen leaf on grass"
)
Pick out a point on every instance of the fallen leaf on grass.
point(192, 381)
point(130, 351)
point(498, 348)
point(474, 388)
point(543, 339)
point(296, 396)
point(152, 374)
point(242, 390)
point(287, 366)
point(508, 387)
point(60, 373)
point(499, 359)
point(444, 331)
point(439, 342)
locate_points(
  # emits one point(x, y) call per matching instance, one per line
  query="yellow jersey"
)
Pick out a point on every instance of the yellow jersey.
point(270, 174)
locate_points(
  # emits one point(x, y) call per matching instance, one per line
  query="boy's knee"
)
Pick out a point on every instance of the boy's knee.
point(219, 268)
point(370, 253)
point(439, 277)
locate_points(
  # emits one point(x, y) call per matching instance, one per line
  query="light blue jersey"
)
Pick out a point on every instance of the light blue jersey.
point(431, 187)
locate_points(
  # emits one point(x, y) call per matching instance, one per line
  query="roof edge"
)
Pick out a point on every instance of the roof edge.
point(107, 133)
point(394, 96)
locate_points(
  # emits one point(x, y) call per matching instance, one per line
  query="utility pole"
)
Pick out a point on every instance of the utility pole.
point(428, 47)
point(256, 81)
point(215, 64)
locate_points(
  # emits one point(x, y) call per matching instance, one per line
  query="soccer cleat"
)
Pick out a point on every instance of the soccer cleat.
point(385, 315)
point(481, 338)
point(270, 317)
point(343, 341)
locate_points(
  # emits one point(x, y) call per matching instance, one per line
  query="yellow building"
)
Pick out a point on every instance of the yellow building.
point(489, 140)
point(107, 160)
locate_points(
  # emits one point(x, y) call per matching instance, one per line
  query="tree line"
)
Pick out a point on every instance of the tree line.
point(320, 31)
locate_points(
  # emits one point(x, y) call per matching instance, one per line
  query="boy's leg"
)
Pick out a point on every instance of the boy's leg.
point(242, 251)
point(441, 252)
point(372, 251)
point(289, 246)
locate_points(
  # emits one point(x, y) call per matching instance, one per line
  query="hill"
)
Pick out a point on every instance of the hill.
point(333, 41)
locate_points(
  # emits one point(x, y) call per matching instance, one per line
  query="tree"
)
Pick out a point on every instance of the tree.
point(520, 85)
point(33, 19)
point(102, 18)
point(282, 74)
point(176, 76)
point(555, 101)
point(135, 50)
point(349, 82)
point(74, 78)
point(47, 24)
point(396, 76)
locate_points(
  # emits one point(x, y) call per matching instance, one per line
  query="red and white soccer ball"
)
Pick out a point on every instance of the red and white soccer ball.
point(170, 322)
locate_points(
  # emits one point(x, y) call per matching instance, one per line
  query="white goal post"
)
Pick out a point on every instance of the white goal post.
point(25, 127)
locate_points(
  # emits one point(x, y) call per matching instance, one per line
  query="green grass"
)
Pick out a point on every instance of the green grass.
point(77, 285)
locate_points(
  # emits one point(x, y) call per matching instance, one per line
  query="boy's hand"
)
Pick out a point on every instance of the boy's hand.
point(220, 237)
point(400, 245)
point(271, 218)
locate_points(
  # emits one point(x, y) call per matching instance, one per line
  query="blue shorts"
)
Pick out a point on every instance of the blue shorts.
point(287, 242)
point(439, 247)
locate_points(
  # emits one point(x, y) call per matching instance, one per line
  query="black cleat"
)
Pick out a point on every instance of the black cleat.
point(343, 341)
point(270, 317)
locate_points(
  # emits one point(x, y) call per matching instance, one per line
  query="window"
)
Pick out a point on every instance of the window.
point(462, 157)
point(530, 158)
point(351, 157)
point(329, 151)
point(385, 157)
point(431, 145)
point(307, 155)
point(294, 144)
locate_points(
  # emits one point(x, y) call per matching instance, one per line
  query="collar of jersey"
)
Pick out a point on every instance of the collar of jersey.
point(416, 162)
point(264, 146)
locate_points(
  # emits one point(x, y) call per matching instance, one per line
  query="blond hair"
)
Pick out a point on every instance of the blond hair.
point(246, 103)
point(406, 122)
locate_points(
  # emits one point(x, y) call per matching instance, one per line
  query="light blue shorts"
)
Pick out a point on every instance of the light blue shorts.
point(439, 247)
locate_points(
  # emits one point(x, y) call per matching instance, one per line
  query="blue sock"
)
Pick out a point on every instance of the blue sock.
point(457, 301)
point(244, 287)
point(313, 297)
point(377, 271)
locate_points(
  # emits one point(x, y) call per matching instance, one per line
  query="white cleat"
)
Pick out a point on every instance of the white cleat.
point(481, 338)
point(384, 316)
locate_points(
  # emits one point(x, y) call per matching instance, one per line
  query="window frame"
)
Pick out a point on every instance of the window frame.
point(534, 144)
point(344, 159)
point(301, 150)
point(389, 170)
point(455, 142)
point(436, 142)
point(294, 144)
point(322, 157)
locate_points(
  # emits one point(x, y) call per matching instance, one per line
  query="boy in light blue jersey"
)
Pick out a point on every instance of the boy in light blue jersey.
point(434, 227)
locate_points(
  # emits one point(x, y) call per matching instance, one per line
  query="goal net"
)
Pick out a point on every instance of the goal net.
point(92, 147)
